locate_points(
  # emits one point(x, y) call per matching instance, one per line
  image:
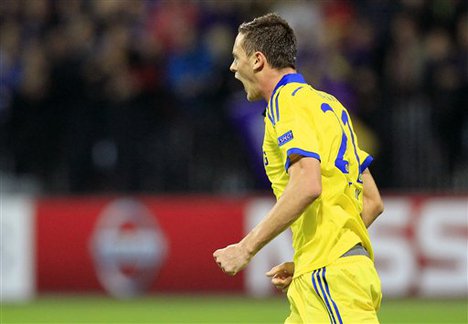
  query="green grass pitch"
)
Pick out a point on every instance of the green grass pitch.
point(206, 309)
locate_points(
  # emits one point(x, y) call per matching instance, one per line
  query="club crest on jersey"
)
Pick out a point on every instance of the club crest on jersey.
point(286, 137)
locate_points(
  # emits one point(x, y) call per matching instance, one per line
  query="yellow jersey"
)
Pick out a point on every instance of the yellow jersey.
point(302, 120)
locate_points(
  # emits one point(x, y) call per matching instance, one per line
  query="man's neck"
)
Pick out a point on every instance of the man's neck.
point(270, 80)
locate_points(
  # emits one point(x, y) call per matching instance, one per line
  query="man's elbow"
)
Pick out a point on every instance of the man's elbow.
point(312, 193)
point(379, 207)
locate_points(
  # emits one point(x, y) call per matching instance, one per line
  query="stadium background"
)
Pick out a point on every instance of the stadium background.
point(128, 153)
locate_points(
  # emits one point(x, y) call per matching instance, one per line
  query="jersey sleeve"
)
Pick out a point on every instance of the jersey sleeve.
point(365, 159)
point(294, 129)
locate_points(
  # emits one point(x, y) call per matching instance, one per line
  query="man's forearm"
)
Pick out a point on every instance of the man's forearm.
point(370, 212)
point(286, 210)
point(372, 202)
point(304, 186)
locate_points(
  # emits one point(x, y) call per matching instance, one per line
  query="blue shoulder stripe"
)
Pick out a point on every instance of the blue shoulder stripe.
point(277, 107)
point(270, 111)
point(270, 117)
point(296, 90)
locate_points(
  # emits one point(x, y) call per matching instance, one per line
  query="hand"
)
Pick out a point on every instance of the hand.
point(232, 259)
point(281, 275)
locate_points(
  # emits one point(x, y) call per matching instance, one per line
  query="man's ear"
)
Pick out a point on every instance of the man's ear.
point(259, 61)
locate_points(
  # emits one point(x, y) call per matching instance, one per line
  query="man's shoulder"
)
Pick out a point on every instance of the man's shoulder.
point(295, 90)
point(304, 95)
point(325, 96)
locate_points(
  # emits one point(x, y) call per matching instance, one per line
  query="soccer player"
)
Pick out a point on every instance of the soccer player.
point(320, 177)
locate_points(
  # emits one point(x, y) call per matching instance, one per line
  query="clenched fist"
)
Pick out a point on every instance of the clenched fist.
point(232, 259)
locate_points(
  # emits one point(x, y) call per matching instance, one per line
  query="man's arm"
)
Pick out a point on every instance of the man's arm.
point(373, 204)
point(303, 188)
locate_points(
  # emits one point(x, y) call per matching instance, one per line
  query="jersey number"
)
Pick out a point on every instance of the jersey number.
point(340, 162)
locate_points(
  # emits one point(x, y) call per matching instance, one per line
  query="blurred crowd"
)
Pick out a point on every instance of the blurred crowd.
point(134, 95)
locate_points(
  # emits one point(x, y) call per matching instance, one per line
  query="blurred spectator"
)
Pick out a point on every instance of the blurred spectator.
point(137, 96)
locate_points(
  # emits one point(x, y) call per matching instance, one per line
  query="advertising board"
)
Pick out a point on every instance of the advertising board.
point(16, 248)
point(127, 246)
point(131, 245)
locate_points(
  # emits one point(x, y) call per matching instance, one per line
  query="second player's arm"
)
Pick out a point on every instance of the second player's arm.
point(303, 188)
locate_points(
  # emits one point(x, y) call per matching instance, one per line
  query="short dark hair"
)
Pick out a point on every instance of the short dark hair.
point(271, 35)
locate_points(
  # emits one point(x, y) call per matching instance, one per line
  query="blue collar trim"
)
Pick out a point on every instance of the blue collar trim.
point(289, 78)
